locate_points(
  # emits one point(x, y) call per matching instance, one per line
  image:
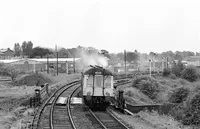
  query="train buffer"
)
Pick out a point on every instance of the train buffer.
point(76, 100)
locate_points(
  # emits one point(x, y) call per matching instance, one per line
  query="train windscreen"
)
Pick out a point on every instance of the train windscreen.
point(90, 81)
point(99, 81)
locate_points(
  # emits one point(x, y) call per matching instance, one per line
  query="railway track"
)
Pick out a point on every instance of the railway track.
point(54, 115)
point(51, 115)
point(105, 120)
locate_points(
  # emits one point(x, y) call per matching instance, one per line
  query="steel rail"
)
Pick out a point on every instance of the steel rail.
point(108, 110)
point(102, 125)
point(68, 108)
point(54, 102)
point(35, 119)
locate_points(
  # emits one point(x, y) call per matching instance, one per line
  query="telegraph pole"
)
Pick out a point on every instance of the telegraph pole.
point(57, 59)
point(167, 63)
point(150, 67)
point(74, 64)
point(162, 64)
point(125, 61)
point(48, 63)
point(74, 59)
point(154, 63)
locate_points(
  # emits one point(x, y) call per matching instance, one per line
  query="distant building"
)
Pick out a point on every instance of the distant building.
point(194, 60)
point(65, 65)
point(6, 53)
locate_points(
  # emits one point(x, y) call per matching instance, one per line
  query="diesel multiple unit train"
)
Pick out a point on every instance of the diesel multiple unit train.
point(97, 87)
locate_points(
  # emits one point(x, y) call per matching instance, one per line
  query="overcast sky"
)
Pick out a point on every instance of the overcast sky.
point(145, 25)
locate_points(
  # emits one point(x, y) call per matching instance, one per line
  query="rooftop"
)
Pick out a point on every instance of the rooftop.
point(40, 60)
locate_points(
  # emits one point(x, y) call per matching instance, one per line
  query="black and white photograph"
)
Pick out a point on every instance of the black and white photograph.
point(99, 64)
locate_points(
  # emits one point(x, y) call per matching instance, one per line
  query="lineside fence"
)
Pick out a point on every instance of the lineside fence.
point(40, 95)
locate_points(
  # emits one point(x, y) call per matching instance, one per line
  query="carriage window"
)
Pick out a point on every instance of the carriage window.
point(107, 82)
point(99, 81)
point(90, 81)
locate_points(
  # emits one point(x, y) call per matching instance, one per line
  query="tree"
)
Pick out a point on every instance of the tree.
point(27, 48)
point(178, 56)
point(197, 53)
point(38, 51)
point(120, 56)
point(9, 70)
point(17, 49)
point(177, 68)
point(131, 56)
point(169, 54)
point(152, 54)
point(24, 46)
point(182, 55)
point(190, 73)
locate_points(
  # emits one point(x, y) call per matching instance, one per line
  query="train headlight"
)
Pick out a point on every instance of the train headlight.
point(107, 94)
point(89, 93)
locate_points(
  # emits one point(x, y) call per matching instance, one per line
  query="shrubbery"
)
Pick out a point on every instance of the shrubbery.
point(9, 70)
point(177, 68)
point(190, 73)
point(172, 76)
point(166, 72)
point(146, 84)
point(188, 111)
point(179, 95)
point(192, 110)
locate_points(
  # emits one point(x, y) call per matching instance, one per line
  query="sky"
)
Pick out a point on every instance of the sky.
point(113, 25)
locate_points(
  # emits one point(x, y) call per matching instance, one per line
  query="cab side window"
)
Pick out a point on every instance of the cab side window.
point(107, 82)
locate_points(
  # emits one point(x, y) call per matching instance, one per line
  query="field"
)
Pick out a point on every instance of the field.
point(14, 107)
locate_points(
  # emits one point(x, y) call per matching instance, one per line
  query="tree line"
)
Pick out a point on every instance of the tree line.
point(26, 50)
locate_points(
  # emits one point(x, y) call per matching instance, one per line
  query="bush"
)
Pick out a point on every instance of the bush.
point(179, 95)
point(177, 68)
point(172, 76)
point(188, 111)
point(190, 73)
point(129, 93)
point(9, 70)
point(166, 72)
point(146, 84)
point(192, 110)
point(32, 79)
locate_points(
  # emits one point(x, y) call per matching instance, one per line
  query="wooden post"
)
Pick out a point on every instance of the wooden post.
point(47, 88)
point(150, 67)
point(47, 63)
point(125, 61)
point(57, 59)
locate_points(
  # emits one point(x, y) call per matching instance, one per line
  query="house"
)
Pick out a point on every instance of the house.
point(6, 53)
